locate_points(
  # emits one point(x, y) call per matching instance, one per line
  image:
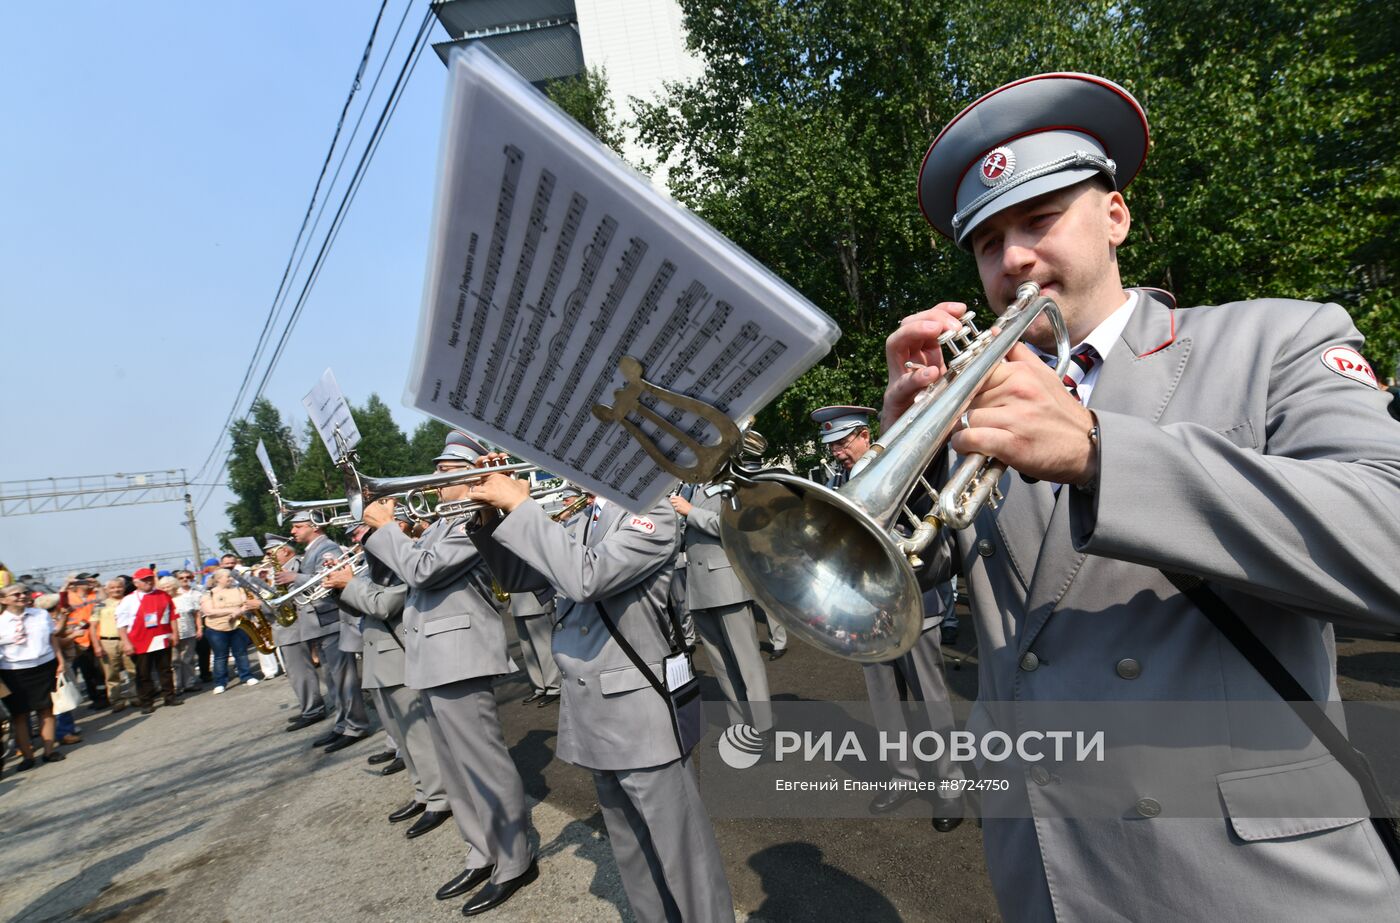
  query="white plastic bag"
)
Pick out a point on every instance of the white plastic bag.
point(65, 697)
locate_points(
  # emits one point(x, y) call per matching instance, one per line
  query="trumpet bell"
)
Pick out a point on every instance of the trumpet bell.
point(824, 568)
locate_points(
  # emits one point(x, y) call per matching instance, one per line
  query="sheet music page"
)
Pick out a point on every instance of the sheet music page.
point(330, 412)
point(551, 261)
point(245, 547)
point(266, 463)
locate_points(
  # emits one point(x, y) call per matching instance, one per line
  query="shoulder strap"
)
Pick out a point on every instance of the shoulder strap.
point(641, 665)
point(1228, 622)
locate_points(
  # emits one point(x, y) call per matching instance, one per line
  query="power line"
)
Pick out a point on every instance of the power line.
point(366, 157)
point(352, 188)
point(286, 272)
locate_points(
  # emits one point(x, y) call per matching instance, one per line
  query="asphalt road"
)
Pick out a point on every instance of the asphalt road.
point(212, 812)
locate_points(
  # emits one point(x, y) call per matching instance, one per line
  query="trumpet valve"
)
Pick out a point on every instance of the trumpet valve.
point(948, 341)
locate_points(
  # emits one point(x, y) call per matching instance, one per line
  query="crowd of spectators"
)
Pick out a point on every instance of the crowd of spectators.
point(97, 647)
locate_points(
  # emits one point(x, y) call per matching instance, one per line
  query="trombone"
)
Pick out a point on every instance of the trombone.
point(323, 512)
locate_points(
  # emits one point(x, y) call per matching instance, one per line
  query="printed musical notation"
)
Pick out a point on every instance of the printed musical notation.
point(584, 263)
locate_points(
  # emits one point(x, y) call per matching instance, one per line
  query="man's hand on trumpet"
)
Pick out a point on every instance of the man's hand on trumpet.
point(340, 578)
point(379, 513)
point(1022, 416)
point(502, 491)
point(913, 357)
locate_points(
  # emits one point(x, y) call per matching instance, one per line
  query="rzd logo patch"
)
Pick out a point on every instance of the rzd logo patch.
point(1348, 363)
point(641, 522)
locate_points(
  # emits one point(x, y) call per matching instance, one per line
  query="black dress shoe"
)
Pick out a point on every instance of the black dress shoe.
point(54, 757)
point(173, 702)
point(548, 699)
point(778, 655)
point(396, 766)
point(412, 809)
point(382, 756)
point(26, 764)
point(889, 800)
point(464, 882)
point(946, 824)
point(429, 821)
point(345, 741)
point(148, 709)
point(531, 697)
point(495, 894)
point(329, 737)
point(300, 723)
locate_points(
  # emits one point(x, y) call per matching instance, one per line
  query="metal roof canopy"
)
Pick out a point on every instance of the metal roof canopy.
point(463, 18)
point(537, 54)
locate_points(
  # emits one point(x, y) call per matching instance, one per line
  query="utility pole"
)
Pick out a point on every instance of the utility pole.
point(197, 560)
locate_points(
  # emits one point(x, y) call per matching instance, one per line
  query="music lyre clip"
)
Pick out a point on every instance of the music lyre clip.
point(709, 459)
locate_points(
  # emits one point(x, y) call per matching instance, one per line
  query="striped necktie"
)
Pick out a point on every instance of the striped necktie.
point(1081, 362)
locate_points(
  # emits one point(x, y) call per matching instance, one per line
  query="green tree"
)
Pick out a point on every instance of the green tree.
point(253, 511)
point(586, 98)
point(1272, 170)
point(425, 445)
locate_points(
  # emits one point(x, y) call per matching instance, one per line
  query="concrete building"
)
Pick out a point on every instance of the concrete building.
point(640, 44)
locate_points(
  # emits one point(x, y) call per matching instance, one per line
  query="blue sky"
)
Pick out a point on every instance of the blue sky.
point(155, 163)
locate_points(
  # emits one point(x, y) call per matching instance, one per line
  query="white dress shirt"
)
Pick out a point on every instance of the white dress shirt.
point(37, 644)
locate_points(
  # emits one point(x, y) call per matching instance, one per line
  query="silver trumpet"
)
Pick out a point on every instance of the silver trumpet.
point(414, 490)
point(837, 566)
point(315, 589)
point(324, 513)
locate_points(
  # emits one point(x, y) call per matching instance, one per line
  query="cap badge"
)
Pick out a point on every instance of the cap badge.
point(997, 166)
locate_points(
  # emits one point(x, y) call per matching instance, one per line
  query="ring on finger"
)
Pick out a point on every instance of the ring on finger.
point(965, 423)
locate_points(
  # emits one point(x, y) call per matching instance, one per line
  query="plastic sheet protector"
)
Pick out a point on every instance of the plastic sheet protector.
point(551, 260)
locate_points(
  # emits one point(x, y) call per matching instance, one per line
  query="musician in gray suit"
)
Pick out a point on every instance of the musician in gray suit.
point(723, 610)
point(1244, 443)
point(534, 626)
point(612, 721)
point(342, 668)
point(456, 646)
point(845, 432)
point(378, 595)
point(298, 643)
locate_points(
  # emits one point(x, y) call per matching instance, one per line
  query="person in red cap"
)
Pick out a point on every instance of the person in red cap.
point(1245, 445)
point(145, 623)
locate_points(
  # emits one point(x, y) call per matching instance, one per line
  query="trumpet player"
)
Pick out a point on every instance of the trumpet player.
point(609, 564)
point(378, 595)
point(296, 642)
point(844, 431)
point(455, 646)
point(1245, 444)
point(324, 616)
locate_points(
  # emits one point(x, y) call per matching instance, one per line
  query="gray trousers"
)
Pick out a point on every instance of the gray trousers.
point(664, 844)
point(730, 636)
point(407, 725)
point(186, 664)
point(922, 672)
point(343, 676)
point(301, 673)
point(483, 785)
point(777, 634)
point(536, 636)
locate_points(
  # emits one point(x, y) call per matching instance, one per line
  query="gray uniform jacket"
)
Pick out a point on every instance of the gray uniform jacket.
point(325, 612)
point(610, 716)
point(382, 609)
point(710, 578)
point(1232, 448)
point(303, 629)
point(453, 630)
